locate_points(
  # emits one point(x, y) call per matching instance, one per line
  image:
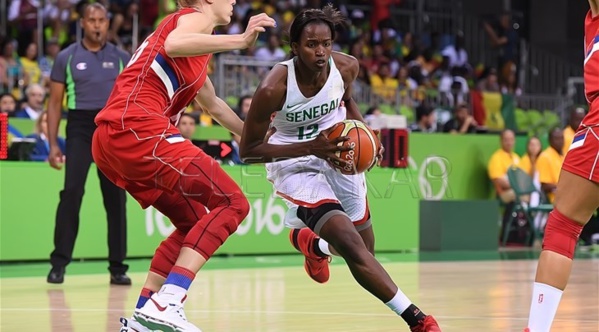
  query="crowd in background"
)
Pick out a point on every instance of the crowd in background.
point(397, 66)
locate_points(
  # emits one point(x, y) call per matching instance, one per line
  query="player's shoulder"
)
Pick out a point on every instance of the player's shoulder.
point(276, 79)
point(347, 65)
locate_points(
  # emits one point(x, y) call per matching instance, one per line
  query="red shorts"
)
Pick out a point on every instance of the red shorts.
point(583, 157)
point(142, 162)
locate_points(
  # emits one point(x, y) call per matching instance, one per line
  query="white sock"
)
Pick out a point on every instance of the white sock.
point(324, 247)
point(545, 300)
point(399, 303)
point(172, 292)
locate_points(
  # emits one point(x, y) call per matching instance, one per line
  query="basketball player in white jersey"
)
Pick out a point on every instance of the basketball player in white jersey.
point(305, 94)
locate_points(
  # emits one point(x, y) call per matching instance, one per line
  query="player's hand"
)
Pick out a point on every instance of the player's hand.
point(325, 148)
point(256, 25)
point(379, 154)
point(56, 158)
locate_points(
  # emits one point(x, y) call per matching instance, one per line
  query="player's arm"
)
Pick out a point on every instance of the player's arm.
point(269, 98)
point(185, 40)
point(594, 7)
point(349, 68)
point(218, 109)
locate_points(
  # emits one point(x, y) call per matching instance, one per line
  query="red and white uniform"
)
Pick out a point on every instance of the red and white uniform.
point(583, 157)
point(137, 144)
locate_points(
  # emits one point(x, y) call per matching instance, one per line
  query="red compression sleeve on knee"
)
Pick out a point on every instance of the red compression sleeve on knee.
point(167, 253)
point(561, 234)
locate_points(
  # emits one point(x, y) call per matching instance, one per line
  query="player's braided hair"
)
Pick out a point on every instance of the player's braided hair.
point(329, 15)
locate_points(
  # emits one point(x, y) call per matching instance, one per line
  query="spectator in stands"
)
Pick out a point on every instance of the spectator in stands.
point(36, 95)
point(8, 104)
point(528, 162)
point(187, 125)
point(271, 52)
point(30, 65)
point(489, 82)
point(22, 16)
point(58, 16)
point(47, 61)
point(454, 87)
point(499, 164)
point(243, 106)
point(462, 122)
point(121, 31)
point(456, 53)
point(41, 151)
point(242, 7)
point(576, 117)
point(383, 84)
point(504, 37)
point(426, 120)
point(550, 163)
point(378, 58)
point(11, 71)
point(407, 44)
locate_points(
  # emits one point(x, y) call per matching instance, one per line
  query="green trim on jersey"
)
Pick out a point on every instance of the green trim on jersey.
point(71, 102)
point(120, 66)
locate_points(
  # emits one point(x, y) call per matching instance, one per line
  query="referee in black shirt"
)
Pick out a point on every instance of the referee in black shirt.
point(86, 71)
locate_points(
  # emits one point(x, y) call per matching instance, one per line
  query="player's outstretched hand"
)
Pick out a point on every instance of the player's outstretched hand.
point(257, 24)
point(325, 148)
point(55, 157)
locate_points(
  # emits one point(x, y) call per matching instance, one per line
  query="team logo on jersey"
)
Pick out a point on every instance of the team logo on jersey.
point(108, 65)
point(578, 141)
point(175, 138)
point(312, 112)
point(81, 66)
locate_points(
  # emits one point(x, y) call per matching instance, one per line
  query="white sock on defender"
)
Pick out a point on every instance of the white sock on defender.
point(324, 247)
point(399, 303)
point(545, 300)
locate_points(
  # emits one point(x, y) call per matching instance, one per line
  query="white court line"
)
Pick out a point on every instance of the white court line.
point(317, 313)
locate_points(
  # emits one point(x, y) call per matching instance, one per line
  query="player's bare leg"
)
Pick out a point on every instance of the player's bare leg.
point(575, 201)
point(318, 252)
point(336, 228)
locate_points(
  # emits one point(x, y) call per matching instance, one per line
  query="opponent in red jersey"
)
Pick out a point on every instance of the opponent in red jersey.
point(138, 146)
point(576, 197)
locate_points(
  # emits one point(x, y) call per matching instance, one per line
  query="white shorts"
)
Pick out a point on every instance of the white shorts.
point(309, 182)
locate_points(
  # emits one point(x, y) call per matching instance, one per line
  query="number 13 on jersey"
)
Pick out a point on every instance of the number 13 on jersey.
point(307, 132)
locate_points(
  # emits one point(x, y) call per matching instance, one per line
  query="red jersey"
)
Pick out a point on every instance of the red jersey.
point(154, 83)
point(591, 68)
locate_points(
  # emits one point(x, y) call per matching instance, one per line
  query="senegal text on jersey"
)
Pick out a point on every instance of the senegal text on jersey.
point(312, 112)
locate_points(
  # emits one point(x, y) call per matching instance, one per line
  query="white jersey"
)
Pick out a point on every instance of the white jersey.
point(309, 181)
point(302, 119)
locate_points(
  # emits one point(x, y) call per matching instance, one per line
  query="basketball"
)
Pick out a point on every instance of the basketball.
point(365, 145)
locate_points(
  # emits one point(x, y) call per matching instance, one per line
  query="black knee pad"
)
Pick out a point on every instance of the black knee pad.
point(311, 216)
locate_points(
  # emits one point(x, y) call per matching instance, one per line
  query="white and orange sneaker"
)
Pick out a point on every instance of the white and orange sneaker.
point(164, 313)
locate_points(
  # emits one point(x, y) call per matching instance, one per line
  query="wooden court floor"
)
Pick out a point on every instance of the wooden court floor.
point(464, 296)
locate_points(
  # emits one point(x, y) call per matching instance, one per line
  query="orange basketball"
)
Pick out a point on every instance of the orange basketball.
point(365, 145)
